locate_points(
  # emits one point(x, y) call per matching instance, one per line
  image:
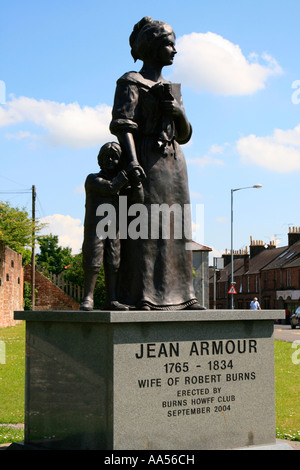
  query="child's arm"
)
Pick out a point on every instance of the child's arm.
point(106, 187)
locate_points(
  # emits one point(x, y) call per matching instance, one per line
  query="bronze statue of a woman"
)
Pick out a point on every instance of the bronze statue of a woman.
point(149, 121)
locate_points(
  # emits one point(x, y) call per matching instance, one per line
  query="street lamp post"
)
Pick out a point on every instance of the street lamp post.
point(256, 186)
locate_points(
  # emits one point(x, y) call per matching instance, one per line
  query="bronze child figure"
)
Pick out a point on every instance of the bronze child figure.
point(102, 188)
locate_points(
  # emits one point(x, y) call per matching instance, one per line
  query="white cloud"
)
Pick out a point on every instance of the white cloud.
point(215, 148)
point(215, 253)
point(205, 161)
point(196, 195)
point(79, 189)
point(208, 62)
point(209, 159)
point(279, 152)
point(69, 230)
point(20, 135)
point(65, 124)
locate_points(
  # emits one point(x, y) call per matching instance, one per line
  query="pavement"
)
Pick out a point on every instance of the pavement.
point(285, 333)
point(294, 444)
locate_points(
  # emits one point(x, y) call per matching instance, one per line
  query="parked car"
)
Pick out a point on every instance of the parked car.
point(295, 318)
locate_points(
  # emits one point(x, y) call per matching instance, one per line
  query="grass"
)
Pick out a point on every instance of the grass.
point(9, 434)
point(287, 381)
point(12, 383)
point(287, 385)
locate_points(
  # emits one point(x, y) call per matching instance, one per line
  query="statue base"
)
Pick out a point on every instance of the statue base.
point(152, 380)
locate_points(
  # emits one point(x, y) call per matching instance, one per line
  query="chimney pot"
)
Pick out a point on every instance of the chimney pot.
point(294, 236)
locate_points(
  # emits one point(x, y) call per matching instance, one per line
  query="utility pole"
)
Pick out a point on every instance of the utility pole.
point(33, 250)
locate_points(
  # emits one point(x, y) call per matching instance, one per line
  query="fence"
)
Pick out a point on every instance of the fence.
point(68, 287)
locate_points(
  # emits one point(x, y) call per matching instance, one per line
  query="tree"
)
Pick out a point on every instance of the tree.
point(16, 228)
point(52, 257)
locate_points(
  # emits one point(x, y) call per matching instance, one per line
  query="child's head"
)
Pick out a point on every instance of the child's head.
point(109, 156)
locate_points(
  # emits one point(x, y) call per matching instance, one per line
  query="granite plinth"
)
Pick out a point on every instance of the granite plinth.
point(149, 380)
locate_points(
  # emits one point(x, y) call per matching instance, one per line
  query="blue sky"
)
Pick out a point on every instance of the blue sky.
point(237, 62)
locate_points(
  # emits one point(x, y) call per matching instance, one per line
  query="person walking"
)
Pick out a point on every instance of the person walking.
point(254, 304)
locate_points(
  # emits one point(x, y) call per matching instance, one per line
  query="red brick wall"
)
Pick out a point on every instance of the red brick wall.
point(11, 285)
point(263, 285)
point(49, 296)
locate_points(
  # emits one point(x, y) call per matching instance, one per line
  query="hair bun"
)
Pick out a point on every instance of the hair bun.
point(144, 32)
point(142, 23)
point(137, 28)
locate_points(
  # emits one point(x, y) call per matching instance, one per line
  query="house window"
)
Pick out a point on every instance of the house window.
point(12, 263)
point(7, 277)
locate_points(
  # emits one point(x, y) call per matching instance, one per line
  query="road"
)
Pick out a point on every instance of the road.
point(285, 333)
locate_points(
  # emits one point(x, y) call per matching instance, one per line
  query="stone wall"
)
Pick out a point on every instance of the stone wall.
point(11, 285)
point(49, 296)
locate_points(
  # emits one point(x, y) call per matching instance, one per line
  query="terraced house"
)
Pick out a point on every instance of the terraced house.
point(271, 274)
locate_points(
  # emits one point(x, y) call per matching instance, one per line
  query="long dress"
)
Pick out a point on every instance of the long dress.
point(155, 272)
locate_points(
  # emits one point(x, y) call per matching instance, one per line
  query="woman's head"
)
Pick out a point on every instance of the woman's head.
point(147, 36)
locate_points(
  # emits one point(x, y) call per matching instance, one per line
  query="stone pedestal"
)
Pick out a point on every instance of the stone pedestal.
point(149, 380)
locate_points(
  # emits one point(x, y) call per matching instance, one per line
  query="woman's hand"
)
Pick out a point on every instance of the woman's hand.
point(136, 173)
point(172, 109)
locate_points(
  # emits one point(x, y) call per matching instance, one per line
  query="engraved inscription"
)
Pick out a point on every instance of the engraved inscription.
point(197, 377)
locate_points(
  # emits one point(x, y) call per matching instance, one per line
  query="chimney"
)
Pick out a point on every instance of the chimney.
point(294, 235)
point(256, 247)
point(237, 254)
point(246, 263)
point(226, 257)
point(272, 245)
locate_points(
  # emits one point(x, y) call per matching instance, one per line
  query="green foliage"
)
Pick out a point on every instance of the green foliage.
point(27, 304)
point(16, 227)
point(26, 256)
point(52, 257)
point(74, 273)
